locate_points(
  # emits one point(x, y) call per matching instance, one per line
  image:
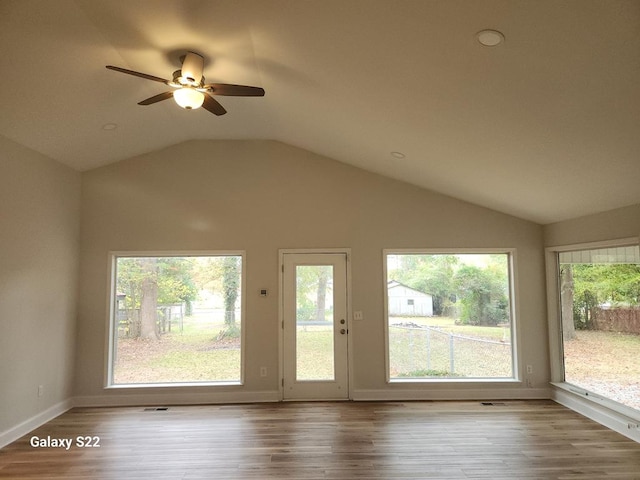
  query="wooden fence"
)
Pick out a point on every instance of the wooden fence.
point(618, 320)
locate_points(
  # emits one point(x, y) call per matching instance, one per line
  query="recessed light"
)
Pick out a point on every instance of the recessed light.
point(109, 126)
point(398, 155)
point(490, 38)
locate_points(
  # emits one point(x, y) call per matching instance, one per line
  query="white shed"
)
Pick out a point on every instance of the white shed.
point(406, 301)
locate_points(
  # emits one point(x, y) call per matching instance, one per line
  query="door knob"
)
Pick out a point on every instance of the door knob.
point(343, 331)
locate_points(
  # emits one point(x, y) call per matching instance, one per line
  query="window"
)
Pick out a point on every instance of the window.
point(176, 319)
point(599, 291)
point(449, 316)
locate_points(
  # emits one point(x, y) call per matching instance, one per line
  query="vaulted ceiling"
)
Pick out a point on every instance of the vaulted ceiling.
point(544, 126)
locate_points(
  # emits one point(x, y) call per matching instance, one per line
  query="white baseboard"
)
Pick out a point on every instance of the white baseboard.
point(400, 394)
point(143, 398)
point(597, 412)
point(30, 424)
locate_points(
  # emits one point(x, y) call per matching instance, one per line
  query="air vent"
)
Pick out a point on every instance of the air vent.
point(156, 409)
point(493, 404)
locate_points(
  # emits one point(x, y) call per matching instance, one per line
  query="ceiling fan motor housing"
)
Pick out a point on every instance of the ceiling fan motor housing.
point(192, 67)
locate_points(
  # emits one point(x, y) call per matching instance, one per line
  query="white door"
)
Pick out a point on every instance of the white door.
point(315, 326)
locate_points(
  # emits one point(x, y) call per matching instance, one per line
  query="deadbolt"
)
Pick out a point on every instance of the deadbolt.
point(342, 321)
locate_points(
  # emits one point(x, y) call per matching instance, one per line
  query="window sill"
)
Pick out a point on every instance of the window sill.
point(453, 380)
point(588, 396)
point(126, 386)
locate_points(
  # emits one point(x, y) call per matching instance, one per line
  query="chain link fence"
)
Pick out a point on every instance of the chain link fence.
point(421, 351)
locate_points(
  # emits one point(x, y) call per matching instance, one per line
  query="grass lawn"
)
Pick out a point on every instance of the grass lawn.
point(606, 363)
point(195, 354)
point(314, 353)
point(447, 324)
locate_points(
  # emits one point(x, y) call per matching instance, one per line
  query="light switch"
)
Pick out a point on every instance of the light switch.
point(358, 315)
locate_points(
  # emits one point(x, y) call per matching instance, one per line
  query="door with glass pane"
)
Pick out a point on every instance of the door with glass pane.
point(315, 326)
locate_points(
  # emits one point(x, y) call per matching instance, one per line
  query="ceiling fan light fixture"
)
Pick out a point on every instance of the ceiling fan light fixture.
point(188, 98)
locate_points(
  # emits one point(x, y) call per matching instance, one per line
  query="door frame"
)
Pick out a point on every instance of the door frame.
point(281, 253)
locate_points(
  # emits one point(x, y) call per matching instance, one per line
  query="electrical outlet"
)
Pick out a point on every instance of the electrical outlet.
point(529, 369)
point(357, 315)
point(263, 371)
point(633, 426)
point(40, 390)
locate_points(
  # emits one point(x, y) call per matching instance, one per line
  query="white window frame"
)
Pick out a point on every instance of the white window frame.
point(516, 368)
point(554, 318)
point(111, 332)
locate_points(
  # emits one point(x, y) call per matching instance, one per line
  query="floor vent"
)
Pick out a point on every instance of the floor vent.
point(156, 409)
point(493, 404)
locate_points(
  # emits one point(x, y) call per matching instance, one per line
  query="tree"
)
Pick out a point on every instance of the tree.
point(566, 301)
point(230, 288)
point(483, 295)
point(176, 281)
point(478, 284)
point(321, 294)
point(312, 286)
point(230, 276)
point(432, 274)
point(149, 299)
point(147, 282)
point(595, 284)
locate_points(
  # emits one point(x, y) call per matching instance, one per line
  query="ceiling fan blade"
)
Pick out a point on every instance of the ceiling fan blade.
point(213, 106)
point(138, 74)
point(156, 98)
point(234, 90)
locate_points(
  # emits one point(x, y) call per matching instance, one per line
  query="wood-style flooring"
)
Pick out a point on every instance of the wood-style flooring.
point(351, 440)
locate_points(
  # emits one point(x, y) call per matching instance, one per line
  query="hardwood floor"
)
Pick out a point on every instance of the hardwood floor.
point(350, 440)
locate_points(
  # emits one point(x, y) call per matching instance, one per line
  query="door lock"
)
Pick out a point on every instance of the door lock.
point(343, 331)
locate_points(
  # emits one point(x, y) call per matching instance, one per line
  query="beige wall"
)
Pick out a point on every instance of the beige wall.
point(261, 196)
point(39, 248)
point(614, 224)
point(258, 196)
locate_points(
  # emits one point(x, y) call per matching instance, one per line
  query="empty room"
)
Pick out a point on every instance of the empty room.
point(312, 239)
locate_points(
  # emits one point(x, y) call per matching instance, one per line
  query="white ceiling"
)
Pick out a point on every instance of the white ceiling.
point(544, 126)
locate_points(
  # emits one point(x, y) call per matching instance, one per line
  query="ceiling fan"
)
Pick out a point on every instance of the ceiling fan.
point(189, 90)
